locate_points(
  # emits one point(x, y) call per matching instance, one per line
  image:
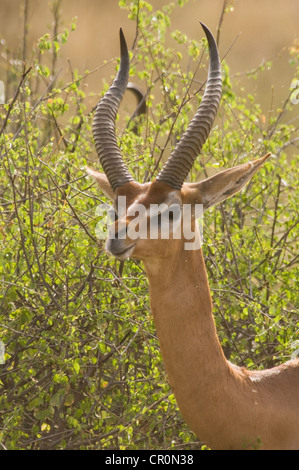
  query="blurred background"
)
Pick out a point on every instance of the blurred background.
point(253, 32)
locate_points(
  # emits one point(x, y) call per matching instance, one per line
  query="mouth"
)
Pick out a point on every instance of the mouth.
point(121, 255)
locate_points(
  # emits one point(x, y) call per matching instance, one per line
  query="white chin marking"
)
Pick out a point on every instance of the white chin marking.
point(123, 255)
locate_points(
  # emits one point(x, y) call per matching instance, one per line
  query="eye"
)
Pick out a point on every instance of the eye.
point(169, 216)
point(159, 219)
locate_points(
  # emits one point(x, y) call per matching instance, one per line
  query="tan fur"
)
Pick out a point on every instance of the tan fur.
point(227, 407)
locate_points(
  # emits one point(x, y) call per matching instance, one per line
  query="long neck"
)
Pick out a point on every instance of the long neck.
point(194, 361)
point(227, 407)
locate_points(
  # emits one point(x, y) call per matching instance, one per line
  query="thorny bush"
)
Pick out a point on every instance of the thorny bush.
point(82, 368)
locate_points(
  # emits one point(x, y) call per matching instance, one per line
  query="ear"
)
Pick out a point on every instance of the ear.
point(102, 181)
point(223, 185)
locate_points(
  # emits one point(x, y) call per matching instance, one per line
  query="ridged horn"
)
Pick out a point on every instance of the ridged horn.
point(141, 106)
point(141, 98)
point(180, 162)
point(104, 123)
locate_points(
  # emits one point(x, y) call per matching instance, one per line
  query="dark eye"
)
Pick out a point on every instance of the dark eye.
point(166, 216)
point(172, 214)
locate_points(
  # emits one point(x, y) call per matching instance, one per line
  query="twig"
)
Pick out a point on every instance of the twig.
point(221, 21)
point(86, 280)
point(11, 105)
point(275, 211)
point(25, 30)
point(231, 46)
point(37, 103)
point(37, 254)
point(75, 213)
point(56, 16)
point(239, 279)
point(137, 26)
point(184, 101)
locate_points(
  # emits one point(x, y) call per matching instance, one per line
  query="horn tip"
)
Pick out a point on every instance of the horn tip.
point(213, 49)
point(123, 43)
point(205, 28)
